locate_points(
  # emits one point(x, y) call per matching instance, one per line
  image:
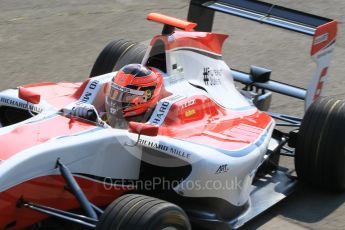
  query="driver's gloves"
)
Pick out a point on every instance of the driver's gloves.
point(86, 111)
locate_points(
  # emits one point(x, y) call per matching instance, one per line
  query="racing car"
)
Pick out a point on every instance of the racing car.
point(210, 150)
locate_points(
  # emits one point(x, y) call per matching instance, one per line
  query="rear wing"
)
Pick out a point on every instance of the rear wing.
point(323, 30)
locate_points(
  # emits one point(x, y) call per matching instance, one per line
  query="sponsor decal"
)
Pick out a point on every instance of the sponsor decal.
point(206, 74)
point(153, 144)
point(164, 148)
point(321, 38)
point(161, 113)
point(188, 103)
point(177, 68)
point(162, 109)
point(189, 112)
point(222, 169)
point(148, 94)
point(20, 104)
point(211, 77)
point(89, 93)
point(94, 86)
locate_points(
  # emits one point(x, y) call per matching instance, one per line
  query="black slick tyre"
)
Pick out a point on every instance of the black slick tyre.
point(134, 212)
point(320, 150)
point(107, 59)
point(134, 55)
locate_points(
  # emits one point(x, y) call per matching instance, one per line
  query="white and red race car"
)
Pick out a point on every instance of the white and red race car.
point(207, 157)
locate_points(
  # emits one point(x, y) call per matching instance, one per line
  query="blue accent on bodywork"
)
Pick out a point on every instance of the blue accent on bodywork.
point(242, 152)
point(247, 150)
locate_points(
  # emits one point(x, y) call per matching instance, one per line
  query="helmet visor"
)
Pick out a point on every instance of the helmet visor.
point(124, 94)
point(120, 98)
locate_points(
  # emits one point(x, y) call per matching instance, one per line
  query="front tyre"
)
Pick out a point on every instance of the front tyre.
point(135, 212)
point(320, 150)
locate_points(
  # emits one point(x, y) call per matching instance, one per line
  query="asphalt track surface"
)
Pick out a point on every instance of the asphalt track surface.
point(46, 40)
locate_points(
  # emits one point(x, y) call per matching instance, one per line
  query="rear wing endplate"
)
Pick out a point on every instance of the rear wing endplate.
point(322, 29)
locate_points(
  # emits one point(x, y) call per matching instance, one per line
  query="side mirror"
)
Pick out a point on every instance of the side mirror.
point(28, 95)
point(143, 128)
point(259, 74)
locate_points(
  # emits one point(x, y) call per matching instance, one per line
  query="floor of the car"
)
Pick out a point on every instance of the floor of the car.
point(267, 191)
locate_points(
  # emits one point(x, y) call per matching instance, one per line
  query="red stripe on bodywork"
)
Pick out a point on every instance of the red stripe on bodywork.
point(200, 120)
point(209, 42)
point(29, 135)
point(57, 94)
point(324, 36)
point(50, 191)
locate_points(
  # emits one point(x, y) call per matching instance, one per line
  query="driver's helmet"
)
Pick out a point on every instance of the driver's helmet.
point(133, 92)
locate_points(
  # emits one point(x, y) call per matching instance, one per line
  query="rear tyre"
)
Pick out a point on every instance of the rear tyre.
point(320, 150)
point(109, 56)
point(134, 212)
point(134, 55)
